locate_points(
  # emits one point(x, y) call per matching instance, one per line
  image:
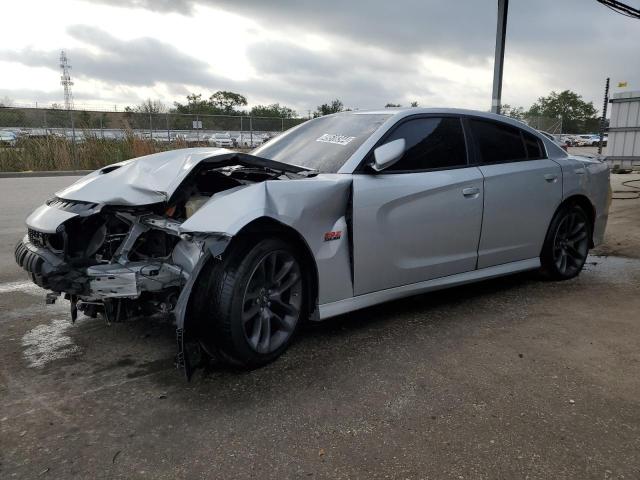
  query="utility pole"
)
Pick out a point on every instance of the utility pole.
point(65, 80)
point(498, 65)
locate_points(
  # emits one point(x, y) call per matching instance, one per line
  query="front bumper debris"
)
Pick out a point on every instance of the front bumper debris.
point(47, 270)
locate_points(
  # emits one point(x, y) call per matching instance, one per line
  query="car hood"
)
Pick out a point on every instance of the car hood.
point(154, 178)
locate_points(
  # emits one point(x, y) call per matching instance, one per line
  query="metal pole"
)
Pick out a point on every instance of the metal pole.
point(240, 130)
point(251, 132)
point(603, 120)
point(73, 128)
point(282, 124)
point(498, 64)
point(166, 115)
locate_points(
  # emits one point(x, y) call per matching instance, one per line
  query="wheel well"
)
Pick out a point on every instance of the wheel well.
point(268, 226)
point(584, 203)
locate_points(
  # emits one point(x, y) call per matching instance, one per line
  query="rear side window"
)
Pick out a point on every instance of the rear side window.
point(431, 143)
point(498, 143)
point(533, 146)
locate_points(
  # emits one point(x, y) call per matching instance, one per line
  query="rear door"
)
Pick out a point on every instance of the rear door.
point(420, 218)
point(522, 189)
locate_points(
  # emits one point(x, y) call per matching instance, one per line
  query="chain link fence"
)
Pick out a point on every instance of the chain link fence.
point(77, 124)
point(545, 124)
point(56, 139)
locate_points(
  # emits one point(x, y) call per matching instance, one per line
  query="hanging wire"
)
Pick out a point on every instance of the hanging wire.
point(621, 8)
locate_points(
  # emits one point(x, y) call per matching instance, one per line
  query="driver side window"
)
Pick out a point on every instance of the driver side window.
point(431, 143)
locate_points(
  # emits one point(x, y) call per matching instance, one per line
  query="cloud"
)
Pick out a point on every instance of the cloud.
point(138, 62)
point(285, 72)
point(571, 44)
point(407, 26)
point(177, 6)
point(370, 52)
point(310, 77)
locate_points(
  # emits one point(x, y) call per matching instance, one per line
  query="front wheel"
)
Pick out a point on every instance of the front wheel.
point(567, 243)
point(258, 302)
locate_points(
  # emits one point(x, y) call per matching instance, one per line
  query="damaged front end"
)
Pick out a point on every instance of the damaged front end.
point(121, 260)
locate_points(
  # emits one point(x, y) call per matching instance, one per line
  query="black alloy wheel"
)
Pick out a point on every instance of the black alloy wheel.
point(272, 302)
point(567, 243)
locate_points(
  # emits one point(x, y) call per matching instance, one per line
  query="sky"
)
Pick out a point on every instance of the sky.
point(302, 53)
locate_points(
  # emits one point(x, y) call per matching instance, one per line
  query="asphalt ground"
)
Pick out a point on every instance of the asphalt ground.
point(509, 378)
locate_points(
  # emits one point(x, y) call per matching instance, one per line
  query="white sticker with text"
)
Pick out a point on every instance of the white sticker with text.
point(337, 139)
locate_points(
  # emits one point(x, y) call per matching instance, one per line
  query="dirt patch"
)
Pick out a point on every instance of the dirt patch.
point(622, 237)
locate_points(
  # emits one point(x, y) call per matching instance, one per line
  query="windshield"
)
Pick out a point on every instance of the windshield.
point(324, 143)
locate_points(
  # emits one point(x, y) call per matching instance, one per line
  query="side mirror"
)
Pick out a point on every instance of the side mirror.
point(388, 154)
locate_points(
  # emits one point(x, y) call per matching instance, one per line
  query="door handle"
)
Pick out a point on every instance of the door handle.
point(579, 171)
point(470, 191)
point(551, 177)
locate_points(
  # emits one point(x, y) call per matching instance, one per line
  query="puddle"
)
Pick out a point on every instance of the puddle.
point(47, 343)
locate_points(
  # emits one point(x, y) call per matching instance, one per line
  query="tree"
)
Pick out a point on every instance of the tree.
point(6, 102)
point(513, 112)
point(414, 104)
point(84, 119)
point(273, 110)
point(220, 103)
point(227, 101)
point(328, 108)
point(194, 104)
point(577, 115)
point(392, 105)
point(151, 106)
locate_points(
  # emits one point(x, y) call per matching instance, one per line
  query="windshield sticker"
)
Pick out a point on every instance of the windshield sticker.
point(337, 139)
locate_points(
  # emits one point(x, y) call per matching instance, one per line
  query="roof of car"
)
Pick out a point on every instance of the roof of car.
point(402, 112)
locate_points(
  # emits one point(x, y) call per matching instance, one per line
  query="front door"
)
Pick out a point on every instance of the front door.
point(419, 219)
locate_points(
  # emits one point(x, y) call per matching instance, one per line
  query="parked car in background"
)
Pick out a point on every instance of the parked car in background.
point(221, 140)
point(568, 140)
point(77, 136)
point(587, 140)
point(594, 140)
point(8, 138)
point(554, 139)
point(339, 213)
point(247, 140)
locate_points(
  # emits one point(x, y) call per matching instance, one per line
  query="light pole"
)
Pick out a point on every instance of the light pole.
point(498, 64)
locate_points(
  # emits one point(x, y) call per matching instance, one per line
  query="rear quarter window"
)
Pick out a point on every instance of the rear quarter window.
point(498, 143)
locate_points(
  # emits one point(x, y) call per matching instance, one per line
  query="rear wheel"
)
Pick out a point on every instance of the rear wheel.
point(258, 302)
point(567, 243)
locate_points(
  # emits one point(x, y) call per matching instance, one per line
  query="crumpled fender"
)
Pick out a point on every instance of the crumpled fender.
point(313, 207)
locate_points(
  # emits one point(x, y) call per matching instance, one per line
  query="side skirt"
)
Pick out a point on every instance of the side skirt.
point(340, 307)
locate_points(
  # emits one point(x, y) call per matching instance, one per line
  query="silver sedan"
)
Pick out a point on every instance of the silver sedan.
point(339, 213)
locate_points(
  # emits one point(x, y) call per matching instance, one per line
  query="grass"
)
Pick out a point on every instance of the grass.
point(53, 153)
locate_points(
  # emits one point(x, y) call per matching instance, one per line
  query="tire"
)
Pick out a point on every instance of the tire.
point(566, 245)
point(256, 303)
